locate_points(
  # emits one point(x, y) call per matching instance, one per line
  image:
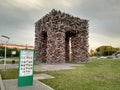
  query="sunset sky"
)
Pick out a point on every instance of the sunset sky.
point(17, 18)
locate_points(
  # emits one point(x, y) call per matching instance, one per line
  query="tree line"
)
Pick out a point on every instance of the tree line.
point(104, 51)
point(9, 51)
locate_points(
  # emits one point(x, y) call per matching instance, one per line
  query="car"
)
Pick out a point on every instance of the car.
point(103, 57)
point(1, 57)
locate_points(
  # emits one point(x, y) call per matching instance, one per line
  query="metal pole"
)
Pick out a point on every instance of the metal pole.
point(5, 56)
point(5, 49)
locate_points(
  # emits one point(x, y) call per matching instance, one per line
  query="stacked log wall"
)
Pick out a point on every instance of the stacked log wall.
point(54, 48)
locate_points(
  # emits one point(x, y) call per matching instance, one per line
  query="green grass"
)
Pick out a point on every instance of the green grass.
point(8, 62)
point(9, 74)
point(95, 75)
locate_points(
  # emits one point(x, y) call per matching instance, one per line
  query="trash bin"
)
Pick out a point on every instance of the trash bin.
point(13, 61)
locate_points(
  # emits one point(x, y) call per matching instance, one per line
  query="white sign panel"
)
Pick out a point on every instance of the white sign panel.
point(13, 52)
point(26, 62)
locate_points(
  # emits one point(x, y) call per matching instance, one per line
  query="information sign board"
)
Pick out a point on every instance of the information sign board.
point(25, 76)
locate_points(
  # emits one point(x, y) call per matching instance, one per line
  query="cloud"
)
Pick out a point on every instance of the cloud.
point(17, 18)
point(22, 4)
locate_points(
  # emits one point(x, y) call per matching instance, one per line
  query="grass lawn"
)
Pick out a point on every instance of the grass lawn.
point(9, 74)
point(8, 62)
point(95, 75)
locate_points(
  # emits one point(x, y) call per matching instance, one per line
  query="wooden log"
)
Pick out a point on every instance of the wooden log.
point(52, 47)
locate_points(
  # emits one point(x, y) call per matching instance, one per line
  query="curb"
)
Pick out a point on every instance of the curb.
point(45, 85)
point(1, 84)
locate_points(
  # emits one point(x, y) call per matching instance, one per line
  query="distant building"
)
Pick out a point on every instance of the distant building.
point(17, 46)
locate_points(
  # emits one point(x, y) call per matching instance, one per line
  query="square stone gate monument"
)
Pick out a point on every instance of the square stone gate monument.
point(60, 38)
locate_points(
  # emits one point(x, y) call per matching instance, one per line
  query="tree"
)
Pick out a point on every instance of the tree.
point(92, 52)
point(9, 51)
point(1, 51)
point(106, 50)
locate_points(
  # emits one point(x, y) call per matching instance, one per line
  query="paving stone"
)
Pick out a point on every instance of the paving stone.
point(42, 76)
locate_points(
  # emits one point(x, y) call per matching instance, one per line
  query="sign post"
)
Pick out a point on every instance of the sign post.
point(25, 75)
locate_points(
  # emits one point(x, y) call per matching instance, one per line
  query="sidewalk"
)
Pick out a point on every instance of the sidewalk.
point(9, 66)
point(11, 84)
point(37, 85)
point(42, 76)
point(53, 67)
point(44, 67)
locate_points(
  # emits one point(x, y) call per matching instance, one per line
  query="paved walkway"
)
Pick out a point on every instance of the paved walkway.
point(44, 67)
point(9, 66)
point(12, 85)
point(52, 67)
point(42, 76)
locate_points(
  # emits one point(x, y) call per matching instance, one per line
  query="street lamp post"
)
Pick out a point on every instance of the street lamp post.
point(5, 49)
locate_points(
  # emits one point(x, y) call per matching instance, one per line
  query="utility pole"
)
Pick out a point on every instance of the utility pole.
point(5, 48)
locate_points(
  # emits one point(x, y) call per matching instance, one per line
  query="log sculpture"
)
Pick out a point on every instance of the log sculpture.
point(52, 38)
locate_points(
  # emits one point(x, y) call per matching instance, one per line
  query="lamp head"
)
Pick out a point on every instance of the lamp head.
point(5, 36)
